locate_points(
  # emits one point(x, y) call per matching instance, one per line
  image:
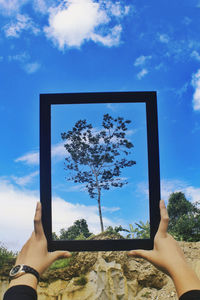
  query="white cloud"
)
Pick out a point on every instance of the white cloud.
point(169, 186)
point(195, 55)
point(111, 107)
point(131, 132)
point(58, 150)
point(16, 214)
point(164, 38)
point(65, 213)
point(76, 188)
point(141, 60)
point(31, 158)
point(110, 209)
point(142, 73)
point(76, 21)
point(24, 60)
point(196, 96)
point(182, 90)
point(71, 22)
point(22, 181)
point(16, 228)
point(160, 66)
point(22, 22)
point(193, 193)
point(42, 6)
point(31, 67)
point(116, 9)
point(127, 9)
point(111, 39)
point(9, 7)
point(187, 21)
point(21, 57)
point(70, 25)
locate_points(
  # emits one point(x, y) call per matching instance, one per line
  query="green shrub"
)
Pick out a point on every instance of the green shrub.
point(6, 256)
point(60, 263)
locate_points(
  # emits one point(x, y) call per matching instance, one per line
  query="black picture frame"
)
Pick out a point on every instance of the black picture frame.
point(150, 99)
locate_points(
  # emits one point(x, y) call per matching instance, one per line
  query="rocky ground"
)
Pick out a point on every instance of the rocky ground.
point(108, 276)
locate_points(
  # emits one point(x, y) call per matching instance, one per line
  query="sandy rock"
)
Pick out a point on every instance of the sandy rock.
point(108, 276)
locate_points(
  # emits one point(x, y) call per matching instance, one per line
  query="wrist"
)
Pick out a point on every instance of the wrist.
point(25, 279)
point(184, 278)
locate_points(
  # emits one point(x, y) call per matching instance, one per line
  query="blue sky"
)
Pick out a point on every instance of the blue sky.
point(51, 46)
point(121, 206)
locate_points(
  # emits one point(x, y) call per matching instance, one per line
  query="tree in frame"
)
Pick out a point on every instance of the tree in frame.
point(96, 158)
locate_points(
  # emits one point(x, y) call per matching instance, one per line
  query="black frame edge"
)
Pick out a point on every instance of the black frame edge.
point(46, 100)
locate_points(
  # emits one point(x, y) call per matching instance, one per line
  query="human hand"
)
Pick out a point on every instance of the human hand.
point(35, 253)
point(166, 254)
point(168, 257)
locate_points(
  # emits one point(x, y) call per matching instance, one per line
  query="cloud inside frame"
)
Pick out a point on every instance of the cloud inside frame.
point(58, 151)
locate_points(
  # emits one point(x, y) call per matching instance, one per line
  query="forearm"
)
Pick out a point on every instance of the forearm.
point(26, 279)
point(185, 279)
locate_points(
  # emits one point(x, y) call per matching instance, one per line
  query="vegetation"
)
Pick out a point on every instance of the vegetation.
point(78, 231)
point(184, 225)
point(60, 263)
point(6, 256)
point(184, 216)
point(116, 229)
point(96, 158)
point(142, 231)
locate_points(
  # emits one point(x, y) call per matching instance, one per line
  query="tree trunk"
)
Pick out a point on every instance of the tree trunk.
point(100, 214)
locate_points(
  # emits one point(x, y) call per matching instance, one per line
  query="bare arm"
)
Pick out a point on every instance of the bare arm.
point(35, 254)
point(168, 257)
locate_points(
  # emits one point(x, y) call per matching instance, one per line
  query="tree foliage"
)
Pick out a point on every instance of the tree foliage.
point(142, 231)
point(184, 217)
point(115, 230)
point(54, 236)
point(79, 230)
point(96, 158)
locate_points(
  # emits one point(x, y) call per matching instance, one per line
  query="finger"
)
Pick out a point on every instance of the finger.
point(60, 254)
point(164, 219)
point(38, 228)
point(140, 253)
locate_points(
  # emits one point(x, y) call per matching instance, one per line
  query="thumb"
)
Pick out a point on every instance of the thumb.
point(140, 253)
point(60, 254)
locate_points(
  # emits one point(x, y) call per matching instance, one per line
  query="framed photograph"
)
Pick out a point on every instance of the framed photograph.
point(99, 170)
